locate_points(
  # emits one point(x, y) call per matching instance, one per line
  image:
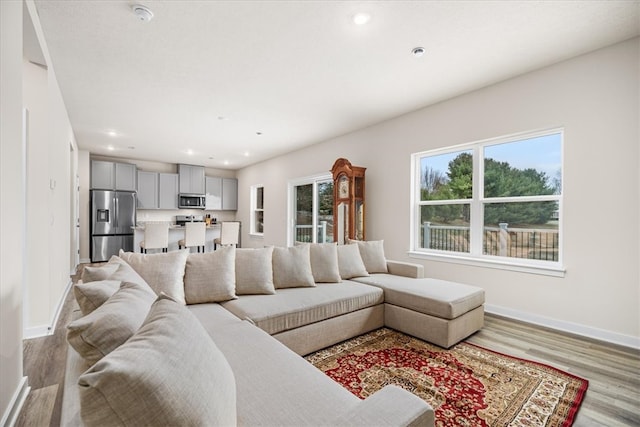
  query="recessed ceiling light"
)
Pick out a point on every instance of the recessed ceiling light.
point(418, 51)
point(112, 133)
point(223, 118)
point(131, 147)
point(258, 133)
point(246, 154)
point(226, 162)
point(143, 13)
point(211, 157)
point(190, 151)
point(110, 147)
point(361, 18)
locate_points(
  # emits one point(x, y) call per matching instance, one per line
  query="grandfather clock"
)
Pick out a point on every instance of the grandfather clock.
point(348, 201)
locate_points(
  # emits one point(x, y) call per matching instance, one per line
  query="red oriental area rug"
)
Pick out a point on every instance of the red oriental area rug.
point(466, 385)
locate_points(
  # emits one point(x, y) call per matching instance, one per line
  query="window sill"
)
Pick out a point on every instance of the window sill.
point(501, 264)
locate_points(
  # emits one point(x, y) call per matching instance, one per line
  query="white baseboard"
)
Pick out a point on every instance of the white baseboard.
point(44, 330)
point(85, 261)
point(10, 416)
point(570, 327)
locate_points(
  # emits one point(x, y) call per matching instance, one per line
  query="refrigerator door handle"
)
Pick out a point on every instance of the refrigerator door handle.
point(115, 217)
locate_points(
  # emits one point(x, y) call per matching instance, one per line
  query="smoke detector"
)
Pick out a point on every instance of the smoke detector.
point(142, 12)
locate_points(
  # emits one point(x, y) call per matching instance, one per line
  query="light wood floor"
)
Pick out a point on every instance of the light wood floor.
point(613, 397)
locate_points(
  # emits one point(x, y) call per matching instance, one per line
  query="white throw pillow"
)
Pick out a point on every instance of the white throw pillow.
point(170, 373)
point(324, 262)
point(163, 272)
point(254, 271)
point(110, 325)
point(372, 253)
point(211, 277)
point(350, 262)
point(92, 274)
point(292, 267)
point(93, 294)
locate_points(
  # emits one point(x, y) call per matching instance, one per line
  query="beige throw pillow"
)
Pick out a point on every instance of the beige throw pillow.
point(292, 267)
point(324, 262)
point(350, 262)
point(92, 274)
point(211, 277)
point(93, 294)
point(163, 272)
point(110, 325)
point(254, 271)
point(372, 253)
point(170, 373)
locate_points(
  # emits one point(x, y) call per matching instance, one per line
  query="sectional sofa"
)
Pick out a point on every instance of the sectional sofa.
point(216, 338)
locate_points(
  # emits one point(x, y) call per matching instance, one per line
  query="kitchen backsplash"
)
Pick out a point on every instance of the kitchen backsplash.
point(170, 215)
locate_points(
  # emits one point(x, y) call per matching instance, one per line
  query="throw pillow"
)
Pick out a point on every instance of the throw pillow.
point(164, 272)
point(324, 262)
point(211, 277)
point(350, 262)
point(254, 271)
point(110, 325)
point(92, 274)
point(372, 253)
point(292, 267)
point(169, 373)
point(93, 294)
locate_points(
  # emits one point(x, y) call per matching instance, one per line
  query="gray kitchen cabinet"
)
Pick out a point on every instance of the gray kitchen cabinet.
point(191, 179)
point(147, 190)
point(229, 194)
point(168, 194)
point(125, 176)
point(102, 175)
point(113, 176)
point(213, 187)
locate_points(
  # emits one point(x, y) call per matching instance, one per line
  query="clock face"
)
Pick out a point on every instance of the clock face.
point(343, 187)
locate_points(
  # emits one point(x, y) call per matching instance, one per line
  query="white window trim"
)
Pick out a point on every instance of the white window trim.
point(254, 209)
point(477, 203)
point(312, 179)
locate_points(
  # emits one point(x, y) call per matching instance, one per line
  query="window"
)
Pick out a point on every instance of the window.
point(496, 202)
point(311, 210)
point(257, 210)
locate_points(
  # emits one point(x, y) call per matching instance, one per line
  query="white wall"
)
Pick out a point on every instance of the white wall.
point(50, 168)
point(12, 385)
point(595, 98)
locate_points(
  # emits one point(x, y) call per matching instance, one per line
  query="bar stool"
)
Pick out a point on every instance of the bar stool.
point(229, 234)
point(156, 236)
point(194, 235)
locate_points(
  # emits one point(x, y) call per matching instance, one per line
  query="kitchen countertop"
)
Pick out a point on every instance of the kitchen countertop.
point(178, 227)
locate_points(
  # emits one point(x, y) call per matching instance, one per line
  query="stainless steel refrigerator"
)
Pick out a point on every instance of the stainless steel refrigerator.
point(113, 216)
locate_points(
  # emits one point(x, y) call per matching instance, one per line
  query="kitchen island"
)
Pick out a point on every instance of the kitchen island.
point(176, 233)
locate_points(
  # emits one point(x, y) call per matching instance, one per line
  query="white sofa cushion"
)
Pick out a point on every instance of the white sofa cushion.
point(292, 267)
point(169, 373)
point(111, 324)
point(372, 253)
point(211, 277)
point(324, 262)
point(254, 271)
point(164, 272)
point(92, 274)
point(350, 262)
point(295, 307)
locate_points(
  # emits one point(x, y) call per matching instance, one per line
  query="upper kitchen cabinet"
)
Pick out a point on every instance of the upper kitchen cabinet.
point(147, 190)
point(113, 176)
point(168, 191)
point(213, 187)
point(191, 179)
point(229, 194)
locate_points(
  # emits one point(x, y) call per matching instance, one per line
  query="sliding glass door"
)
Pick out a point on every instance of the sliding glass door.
point(311, 213)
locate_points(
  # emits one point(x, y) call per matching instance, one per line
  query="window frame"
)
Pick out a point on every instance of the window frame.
point(313, 180)
point(475, 256)
point(255, 209)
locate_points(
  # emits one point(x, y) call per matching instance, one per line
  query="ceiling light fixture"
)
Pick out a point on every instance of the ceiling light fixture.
point(190, 151)
point(361, 18)
point(258, 133)
point(112, 133)
point(143, 13)
point(110, 147)
point(226, 162)
point(418, 51)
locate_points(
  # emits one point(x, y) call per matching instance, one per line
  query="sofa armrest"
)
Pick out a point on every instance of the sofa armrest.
point(406, 269)
point(390, 406)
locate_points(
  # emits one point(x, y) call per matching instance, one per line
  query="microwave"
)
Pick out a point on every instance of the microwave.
point(191, 201)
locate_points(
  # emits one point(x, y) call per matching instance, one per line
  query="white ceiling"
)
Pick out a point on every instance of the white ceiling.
point(299, 72)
